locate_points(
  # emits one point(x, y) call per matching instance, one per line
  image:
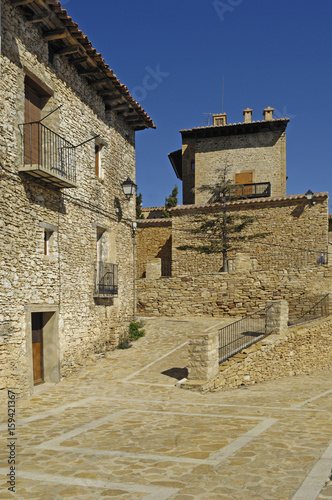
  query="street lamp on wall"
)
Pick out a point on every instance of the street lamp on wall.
point(128, 187)
point(310, 195)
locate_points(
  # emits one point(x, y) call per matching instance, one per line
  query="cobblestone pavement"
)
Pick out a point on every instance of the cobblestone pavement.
point(120, 429)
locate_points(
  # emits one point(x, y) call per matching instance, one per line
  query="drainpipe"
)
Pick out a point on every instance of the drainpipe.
point(134, 256)
point(0, 36)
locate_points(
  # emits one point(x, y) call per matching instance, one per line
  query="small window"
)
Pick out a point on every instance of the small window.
point(192, 165)
point(51, 53)
point(98, 161)
point(47, 241)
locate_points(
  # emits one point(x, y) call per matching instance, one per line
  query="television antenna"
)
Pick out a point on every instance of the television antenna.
point(208, 119)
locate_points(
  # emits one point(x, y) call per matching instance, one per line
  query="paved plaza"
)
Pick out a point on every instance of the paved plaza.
point(121, 428)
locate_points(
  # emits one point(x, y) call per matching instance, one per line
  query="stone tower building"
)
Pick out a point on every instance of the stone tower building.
point(67, 143)
point(253, 153)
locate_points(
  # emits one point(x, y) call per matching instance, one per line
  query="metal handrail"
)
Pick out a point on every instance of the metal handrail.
point(106, 287)
point(254, 190)
point(44, 149)
point(242, 333)
point(319, 310)
point(106, 279)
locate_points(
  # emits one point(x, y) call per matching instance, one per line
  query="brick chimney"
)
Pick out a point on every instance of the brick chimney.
point(220, 120)
point(268, 113)
point(247, 115)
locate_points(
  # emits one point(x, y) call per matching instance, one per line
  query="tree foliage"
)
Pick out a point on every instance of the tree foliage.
point(221, 231)
point(139, 213)
point(170, 202)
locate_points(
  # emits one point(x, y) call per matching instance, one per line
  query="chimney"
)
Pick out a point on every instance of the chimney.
point(247, 115)
point(220, 120)
point(268, 113)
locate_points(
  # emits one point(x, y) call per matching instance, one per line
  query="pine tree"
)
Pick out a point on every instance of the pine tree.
point(170, 202)
point(221, 231)
point(139, 213)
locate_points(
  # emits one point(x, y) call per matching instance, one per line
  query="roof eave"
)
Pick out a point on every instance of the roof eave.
point(69, 41)
point(250, 127)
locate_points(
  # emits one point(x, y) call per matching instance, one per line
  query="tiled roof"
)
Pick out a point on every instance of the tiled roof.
point(250, 201)
point(69, 41)
point(164, 221)
point(212, 127)
point(151, 209)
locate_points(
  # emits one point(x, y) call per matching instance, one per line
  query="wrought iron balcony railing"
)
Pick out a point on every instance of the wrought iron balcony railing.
point(106, 279)
point(47, 155)
point(256, 190)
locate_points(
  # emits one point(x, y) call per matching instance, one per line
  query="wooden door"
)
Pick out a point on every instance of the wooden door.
point(37, 347)
point(244, 178)
point(32, 138)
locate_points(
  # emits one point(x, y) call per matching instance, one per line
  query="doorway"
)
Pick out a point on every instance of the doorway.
point(37, 348)
point(44, 350)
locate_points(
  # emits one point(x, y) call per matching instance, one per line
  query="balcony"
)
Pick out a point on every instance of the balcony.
point(257, 190)
point(106, 280)
point(47, 156)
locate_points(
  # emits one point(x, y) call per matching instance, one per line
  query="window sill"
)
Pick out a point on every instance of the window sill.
point(50, 258)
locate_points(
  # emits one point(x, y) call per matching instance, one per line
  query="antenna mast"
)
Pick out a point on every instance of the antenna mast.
point(222, 95)
point(208, 118)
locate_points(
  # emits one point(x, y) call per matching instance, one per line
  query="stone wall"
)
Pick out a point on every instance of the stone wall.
point(153, 240)
point(302, 349)
point(61, 284)
point(188, 173)
point(288, 224)
point(152, 212)
point(262, 154)
point(233, 294)
point(259, 149)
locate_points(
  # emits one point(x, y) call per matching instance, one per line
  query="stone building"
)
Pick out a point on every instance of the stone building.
point(253, 153)
point(294, 229)
point(296, 234)
point(67, 143)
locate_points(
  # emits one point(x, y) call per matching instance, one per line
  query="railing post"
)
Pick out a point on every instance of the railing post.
point(276, 316)
point(203, 362)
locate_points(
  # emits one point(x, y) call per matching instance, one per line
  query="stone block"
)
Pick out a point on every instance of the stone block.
point(203, 355)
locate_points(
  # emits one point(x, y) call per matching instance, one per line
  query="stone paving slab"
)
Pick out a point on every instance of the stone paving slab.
point(121, 429)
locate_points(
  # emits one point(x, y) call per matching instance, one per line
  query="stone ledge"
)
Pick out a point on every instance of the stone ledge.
point(197, 385)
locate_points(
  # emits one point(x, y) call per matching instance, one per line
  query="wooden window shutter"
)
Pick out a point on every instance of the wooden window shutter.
point(98, 160)
point(244, 178)
point(32, 114)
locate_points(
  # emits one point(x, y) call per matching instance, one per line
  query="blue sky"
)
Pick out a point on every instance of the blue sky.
point(270, 54)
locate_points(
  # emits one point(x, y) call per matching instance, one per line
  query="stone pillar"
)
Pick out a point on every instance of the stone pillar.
point(153, 269)
point(203, 362)
point(276, 316)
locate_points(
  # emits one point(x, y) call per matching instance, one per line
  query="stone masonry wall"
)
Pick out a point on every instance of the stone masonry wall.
point(302, 349)
point(154, 239)
point(152, 212)
point(62, 282)
point(233, 294)
point(289, 226)
point(188, 174)
point(263, 154)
